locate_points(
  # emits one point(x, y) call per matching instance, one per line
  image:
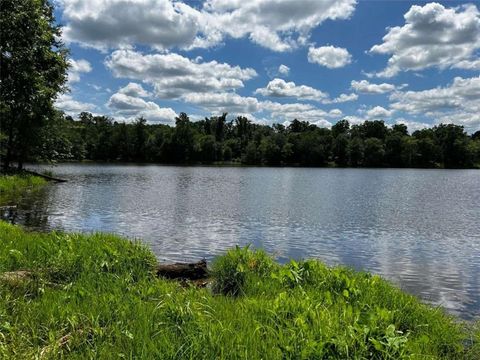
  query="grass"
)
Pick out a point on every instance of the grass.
point(96, 297)
point(14, 185)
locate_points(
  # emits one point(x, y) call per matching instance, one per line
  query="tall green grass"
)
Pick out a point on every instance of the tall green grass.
point(96, 297)
point(13, 185)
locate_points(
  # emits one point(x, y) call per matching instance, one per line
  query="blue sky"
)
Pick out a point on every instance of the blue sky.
point(416, 63)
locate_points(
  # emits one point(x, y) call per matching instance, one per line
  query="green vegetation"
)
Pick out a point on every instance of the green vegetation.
point(217, 140)
point(96, 296)
point(33, 72)
point(13, 185)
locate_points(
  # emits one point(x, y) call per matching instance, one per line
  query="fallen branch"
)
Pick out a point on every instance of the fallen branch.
point(15, 278)
point(190, 271)
point(46, 177)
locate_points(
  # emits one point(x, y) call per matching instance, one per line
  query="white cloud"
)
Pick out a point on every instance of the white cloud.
point(281, 88)
point(130, 107)
point(173, 75)
point(413, 125)
point(71, 106)
point(277, 25)
point(329, 56)
point(95, 87)
point(76, 68)
point(235, 104)
point(284, 70)
point(105, 24)
point(432, 36)
point(290, 111)
point(223, 102)
point(135, 90)
point(354, 120)
point(467, 65)
point(461, 94)
point(163, 24)
point(341, 99)
point(457, 102)
point(378, 112)
point(470, 120)
point(335, 113)
point(365, 87)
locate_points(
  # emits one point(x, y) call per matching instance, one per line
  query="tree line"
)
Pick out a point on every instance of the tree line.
point(216, 139)
point(33, 72)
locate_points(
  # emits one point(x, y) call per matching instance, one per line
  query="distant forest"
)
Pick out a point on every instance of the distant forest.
point(217, 140)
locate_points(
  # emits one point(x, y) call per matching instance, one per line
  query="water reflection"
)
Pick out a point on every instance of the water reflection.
point(418, 228)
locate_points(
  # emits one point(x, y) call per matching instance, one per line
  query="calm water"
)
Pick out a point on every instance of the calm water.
point(418, 228)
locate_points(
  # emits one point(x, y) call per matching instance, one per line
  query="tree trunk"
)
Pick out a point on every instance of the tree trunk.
point(8, 157)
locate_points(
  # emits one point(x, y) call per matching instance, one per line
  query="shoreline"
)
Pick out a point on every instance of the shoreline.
point(241, 165)
point(103, 287)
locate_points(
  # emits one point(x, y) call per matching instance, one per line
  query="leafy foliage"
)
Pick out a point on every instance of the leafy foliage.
point(216, 140)
point(33, 72)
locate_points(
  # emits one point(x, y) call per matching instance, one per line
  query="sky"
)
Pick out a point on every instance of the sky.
point(416, 63)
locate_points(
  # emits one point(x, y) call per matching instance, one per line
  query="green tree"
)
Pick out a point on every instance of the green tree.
point(453, 143)
point(251, 155)
point(355, 151)
point(400, 129)
point(341, 127)
point(374, 152)
point(140, 138)
point(183, 138)
point(394, 148)
point(33, 72)
point(340, 149)
point(374, 129)
point(270, 152)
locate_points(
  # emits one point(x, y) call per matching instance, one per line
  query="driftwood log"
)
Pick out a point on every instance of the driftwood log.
point(45, 176)
point(189, 271)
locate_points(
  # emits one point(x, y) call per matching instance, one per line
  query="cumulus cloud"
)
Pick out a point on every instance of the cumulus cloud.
point(281, 88)
point(130, 107)
point(277, 25)
point(467, 65)
point(284, 70)
point(365, 87)
point(432, 36)
point(205, 84)
point(341, 99)
point(413, 125)
point(288, 112)
point(164, 24)
point(217, 103)
point(329, 56)
point(71, 106)
point(104, 24)
point(354, 120)
point(173, 75)
point(235, 104)
point(335, 113)
point(76, 68)
point(378, 112)
point(461, 94)
point(224, 102)
point(457, 102)
point(135, 90)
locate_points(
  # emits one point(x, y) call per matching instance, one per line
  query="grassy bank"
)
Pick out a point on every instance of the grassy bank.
point(95, 296)
point(13, 185)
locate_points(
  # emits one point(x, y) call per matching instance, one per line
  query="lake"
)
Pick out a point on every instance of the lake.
point(418, 228)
